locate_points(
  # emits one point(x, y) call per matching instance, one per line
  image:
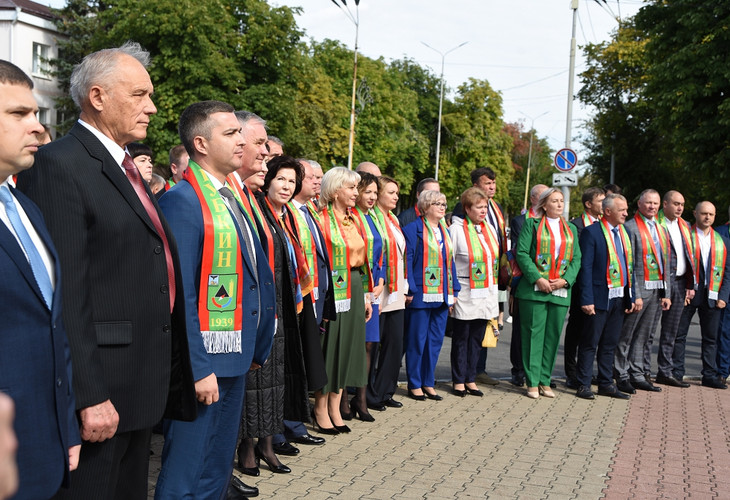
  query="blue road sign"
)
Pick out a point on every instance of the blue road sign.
point(566, 160)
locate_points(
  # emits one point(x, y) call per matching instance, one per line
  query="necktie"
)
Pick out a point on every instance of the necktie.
point(238, 215)
point(620, 252)
point(34, 258)
point(136, 180)
point(657, 244)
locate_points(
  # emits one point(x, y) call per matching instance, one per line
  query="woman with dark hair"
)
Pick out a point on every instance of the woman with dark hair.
point(344, 339)
point(549, 256)
point(142, 156)
point(432, 291)
point(373, 236)
point(278, 389)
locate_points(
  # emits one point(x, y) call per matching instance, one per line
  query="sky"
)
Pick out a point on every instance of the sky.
point(521, 47)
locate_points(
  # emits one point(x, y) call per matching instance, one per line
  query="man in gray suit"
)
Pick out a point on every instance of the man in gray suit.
point(653, 280)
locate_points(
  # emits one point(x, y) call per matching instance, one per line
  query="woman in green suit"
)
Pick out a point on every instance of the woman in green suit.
point(549, 256)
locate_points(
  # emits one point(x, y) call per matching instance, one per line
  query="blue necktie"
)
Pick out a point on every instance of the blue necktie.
point(34, 258)
point(620, 252)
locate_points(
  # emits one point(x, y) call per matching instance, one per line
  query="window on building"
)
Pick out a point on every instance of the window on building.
point(41, 66)
point(43, 116)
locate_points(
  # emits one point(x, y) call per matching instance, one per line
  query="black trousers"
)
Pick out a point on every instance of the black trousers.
point(384, 374)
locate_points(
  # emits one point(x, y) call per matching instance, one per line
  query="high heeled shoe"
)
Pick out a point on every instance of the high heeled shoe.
point(278, 469)
point(532, 394)
point(331, 431)
point(342, 429)
point(545, 391)
point(249, 471)
point(345, 416)
point(417, 397)
point(359, 413)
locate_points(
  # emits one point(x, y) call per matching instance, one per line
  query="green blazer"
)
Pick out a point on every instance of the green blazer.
point(526, 249)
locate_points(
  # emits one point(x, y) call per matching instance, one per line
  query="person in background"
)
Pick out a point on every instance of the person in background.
point(368, 167)
point(142, 156)
point(157, 183)
point(723, 334)
point(476, 253)
point(374, 237)
point(433, 288)
point(275, 146)
point(411, 213)
point(344, 339)
point(384, 380)
point(549, 257)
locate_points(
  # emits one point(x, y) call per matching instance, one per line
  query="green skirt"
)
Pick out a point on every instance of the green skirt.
point(343, 344)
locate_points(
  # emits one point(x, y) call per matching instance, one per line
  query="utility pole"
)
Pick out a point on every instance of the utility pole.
point(569, 120)
point(356, 21)
point(529, 158)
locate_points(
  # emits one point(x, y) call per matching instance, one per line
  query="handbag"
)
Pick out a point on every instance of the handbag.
point(491, 334)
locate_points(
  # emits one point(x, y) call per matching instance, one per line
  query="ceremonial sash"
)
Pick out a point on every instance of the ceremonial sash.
point(221, 271)
point(483, 273)
point(500, 223)
point(309, 246)
point(314, 212)
point(169, 184)
point(614, 273)
point(718, 254)
point(334, 238)
point(531, 214)
point(434, 265)
point(252, 209)
point(549, 267)
point(587, 220)
point(653, 276)
point(418, 212)
point(361, 221)
point(685, 229)
point(390, 250)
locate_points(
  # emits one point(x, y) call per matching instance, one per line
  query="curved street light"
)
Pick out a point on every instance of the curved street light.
point(441, 101)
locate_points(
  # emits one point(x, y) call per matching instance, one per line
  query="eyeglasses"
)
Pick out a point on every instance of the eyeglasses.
point(439, 204)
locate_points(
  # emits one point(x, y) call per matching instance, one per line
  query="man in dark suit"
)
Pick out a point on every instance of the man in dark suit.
point(230, 309)
point(411, 213)
point(653, 272)
point(515, 346)
point(593, 209)
point(606, 294)
point(712, 276)
point(682, 285)
point(122, 309)
point(35, 364)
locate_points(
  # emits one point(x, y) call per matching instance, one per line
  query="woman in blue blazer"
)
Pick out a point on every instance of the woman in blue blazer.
point(433, 288)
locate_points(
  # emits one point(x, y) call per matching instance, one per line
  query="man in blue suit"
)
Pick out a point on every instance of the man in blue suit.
point(35, 365)
point(229, 304)
point(606, 290)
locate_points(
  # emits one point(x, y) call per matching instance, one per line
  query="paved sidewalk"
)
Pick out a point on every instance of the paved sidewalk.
point(673, 444)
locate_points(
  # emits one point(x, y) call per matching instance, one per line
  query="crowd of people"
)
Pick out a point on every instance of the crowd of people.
point(218, 301)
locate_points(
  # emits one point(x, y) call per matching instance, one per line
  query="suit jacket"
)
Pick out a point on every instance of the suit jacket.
point(594, 264)
point(637, 246)
point(526, 251)
point(407, 216)
point(182, 208)
point(413, 233)
point(125, 344)
point(35, 365)
point(724, 292)
point(579, 225)
point(515, 228)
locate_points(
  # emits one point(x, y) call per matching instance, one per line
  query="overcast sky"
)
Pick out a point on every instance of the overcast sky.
point(522, 47)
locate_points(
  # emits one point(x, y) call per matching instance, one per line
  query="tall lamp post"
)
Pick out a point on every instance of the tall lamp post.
point(529, 156)
point(356, 21)
point(441, 101)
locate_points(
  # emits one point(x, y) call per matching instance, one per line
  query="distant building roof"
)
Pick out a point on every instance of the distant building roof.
point(29, 7)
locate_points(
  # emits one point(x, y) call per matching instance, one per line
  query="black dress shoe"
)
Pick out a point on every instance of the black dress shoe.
point(285, 448)
point(645, 386)
point(392, 403)
point(584, 392)
point(376, 406)
point(625, 386)
point(331, 431)
point(553, 385)
point(346, 416)
point(571, 383)
point(474, 392)
point(612, 392)
point(517, 381)
point(278, 469)
point(461, 393)
point(306, 439)
point(249, 471)
point(433, 397)
point(671, 381)
point(417, 397)
point(715, 383)
point(238, 489)
point(342, 429)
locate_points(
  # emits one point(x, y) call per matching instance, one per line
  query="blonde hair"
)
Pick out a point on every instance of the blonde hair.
point(334, 180)
point(428, 198)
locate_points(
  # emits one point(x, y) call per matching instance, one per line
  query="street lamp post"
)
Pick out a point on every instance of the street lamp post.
point(356, 21)
point(441, 101)
point(529, 156)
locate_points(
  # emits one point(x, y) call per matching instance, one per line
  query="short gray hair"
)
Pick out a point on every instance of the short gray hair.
point(98, 67)
point(335, 179)
point(428, 198)
point(315, 164)
point(610, 198)
point(246, 116)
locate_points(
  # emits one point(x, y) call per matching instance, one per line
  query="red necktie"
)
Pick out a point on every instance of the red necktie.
point(136, 180)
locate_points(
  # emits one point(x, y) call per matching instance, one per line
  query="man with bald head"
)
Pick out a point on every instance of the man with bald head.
point(124, 314)
point(712, 277)
point(670, 216)
point(515, 347)
point(653, 279)
point(369, 167)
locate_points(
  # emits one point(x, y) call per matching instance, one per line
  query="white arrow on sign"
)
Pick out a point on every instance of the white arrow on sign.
point(565, 179)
